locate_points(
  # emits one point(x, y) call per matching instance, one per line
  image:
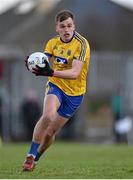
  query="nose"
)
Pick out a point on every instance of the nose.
point(66, 29)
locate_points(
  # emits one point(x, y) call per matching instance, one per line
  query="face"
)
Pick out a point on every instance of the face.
point(65, 29)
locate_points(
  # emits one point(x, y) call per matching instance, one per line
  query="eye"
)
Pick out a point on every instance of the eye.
point(62, 26)
point(69, 25)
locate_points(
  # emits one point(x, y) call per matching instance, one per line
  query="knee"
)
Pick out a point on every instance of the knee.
point(48, 116)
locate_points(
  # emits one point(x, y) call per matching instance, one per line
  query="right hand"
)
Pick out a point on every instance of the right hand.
point(43, 71)
point(26, 62)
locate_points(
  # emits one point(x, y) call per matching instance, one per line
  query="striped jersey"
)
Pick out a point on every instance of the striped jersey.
point(62, 54)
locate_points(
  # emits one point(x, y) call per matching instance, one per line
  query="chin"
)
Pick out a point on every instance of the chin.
point(66, 40)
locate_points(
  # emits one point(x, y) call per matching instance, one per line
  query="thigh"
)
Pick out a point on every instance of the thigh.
point(51, 104)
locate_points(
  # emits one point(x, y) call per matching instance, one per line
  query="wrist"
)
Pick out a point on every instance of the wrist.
point(52, 73)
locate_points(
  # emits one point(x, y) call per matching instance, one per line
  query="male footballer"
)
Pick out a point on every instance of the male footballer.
point(66, 86)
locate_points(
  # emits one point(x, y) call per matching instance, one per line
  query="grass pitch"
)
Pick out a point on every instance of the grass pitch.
point(69, 161)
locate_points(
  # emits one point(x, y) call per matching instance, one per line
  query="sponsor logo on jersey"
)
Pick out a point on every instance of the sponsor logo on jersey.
point(61, 60)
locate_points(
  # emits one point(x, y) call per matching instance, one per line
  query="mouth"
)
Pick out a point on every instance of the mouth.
point(66, 35)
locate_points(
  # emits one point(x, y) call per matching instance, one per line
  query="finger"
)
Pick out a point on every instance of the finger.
point(38, 67)
point(26, 59)
point(27, 68)
point(46, 62)
point(35, 72)
point(35, 69)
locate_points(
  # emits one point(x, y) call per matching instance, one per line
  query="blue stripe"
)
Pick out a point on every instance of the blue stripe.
point(48, 54)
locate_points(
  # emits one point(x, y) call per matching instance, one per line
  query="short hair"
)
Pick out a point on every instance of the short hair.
point(63, 15)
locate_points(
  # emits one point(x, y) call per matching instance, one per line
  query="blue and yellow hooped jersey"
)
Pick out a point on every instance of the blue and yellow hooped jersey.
point(62, 54)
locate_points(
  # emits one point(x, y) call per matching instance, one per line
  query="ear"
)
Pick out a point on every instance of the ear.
point(56, 28)
point(74, 26)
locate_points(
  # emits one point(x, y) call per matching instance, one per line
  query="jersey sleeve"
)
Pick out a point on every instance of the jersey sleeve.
point(80, 52)
point(48, 50)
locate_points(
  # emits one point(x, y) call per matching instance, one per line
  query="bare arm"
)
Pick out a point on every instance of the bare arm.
point(72, 73)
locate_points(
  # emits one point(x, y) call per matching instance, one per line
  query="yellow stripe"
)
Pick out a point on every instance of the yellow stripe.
point(83, 45)
point(82, 54)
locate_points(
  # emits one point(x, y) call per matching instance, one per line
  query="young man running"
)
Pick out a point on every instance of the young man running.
point(70, 54)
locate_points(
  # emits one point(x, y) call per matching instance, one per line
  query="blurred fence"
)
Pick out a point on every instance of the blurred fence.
point(107, 71)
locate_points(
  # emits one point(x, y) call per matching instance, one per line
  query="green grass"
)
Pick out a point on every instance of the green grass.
point(69, 160)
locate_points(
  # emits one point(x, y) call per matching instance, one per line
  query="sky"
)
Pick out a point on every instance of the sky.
point(26, 5)
point(126, 3)
point(7, 4)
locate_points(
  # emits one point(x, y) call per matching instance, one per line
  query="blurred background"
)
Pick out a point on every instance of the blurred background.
point(107, 111)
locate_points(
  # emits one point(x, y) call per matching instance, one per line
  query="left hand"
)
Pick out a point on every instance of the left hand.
point(26, 62)
point(43, 71)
